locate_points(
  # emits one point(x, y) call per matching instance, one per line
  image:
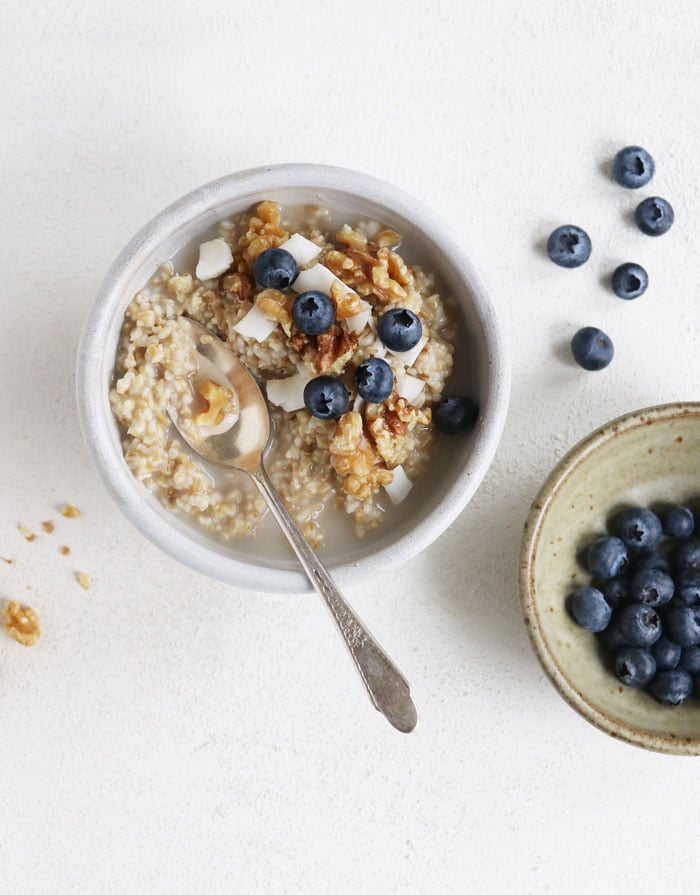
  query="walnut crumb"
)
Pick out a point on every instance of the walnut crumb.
point(10, 562)
point(21, 623)
point(26, 533)
point(70, 512)
point(48, 526)
point(83, 580)
point(63, 550)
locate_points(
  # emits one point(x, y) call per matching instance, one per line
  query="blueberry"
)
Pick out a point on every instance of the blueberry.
point(678, 522)
point(633, 167)
point(629, 281)
point(615, 590)
point(640, 624)
point(589, 609)
point(666, 654)
point(650, 559)
point(687, 556)
point(671, 687)
point(606, 558)
point(400, 329)
point(653, 587)
point(275, 269)
point(635, 667)
point(374, 380)
point(569, 246)
point(638, 528)
point(591, 348)
point(688, 586)
point(454, 414)
point(682, 625)
point(326, 397)
point(313, 313)
point(654, 216)
point(690, 660)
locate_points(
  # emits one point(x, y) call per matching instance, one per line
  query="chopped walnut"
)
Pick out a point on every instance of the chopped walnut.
point(374, 270)
point(352, 238)
point(354, 459)
point(220, 401)
point(83, 580)
point(48, 526)
point(275, 305)
point(347, 303)
point(265, 231)
point(334, 348)
point(239, 285)
point(388, 238)
point(390, 423)
point(70, 512)
point(20, 622)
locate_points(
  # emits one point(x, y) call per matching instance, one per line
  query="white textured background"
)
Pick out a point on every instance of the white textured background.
point(172, 735)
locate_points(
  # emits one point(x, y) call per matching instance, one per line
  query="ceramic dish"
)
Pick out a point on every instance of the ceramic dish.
point(457, 467)
point(645, 458)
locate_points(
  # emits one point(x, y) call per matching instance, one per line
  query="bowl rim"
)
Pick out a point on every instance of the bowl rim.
point(621, 730)
point(122, 486)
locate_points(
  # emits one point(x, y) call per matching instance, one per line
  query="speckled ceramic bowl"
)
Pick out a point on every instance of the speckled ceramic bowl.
point(458, 465)
point(648, 457)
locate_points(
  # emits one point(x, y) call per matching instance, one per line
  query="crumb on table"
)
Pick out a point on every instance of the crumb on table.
point(63, 550)
point(26, 532)
point(21, 623)
point(83, 580)
point(69, 511)
point(48, 526)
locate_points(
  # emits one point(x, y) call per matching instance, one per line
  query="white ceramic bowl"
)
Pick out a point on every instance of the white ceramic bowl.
point(460, 463)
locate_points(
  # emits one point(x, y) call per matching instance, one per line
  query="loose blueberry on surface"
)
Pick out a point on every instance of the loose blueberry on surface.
point(688, 586)
point(633, 167)
point(313, 313)
point(678, 522)
point(374, 379)
point(629, 281)
point(666, 653)
point(682, 626)
point(653, 587)
point(400, 329)
point(591, 348)
point(326, 397)
point(275, 269)
point(589, 609)
point(615, 590)
point(690, 660)
point(654, 216)
point(687, 556)
point(640, 624)
point(569, 246)
point(638, 528)
point(634, 666)
point(606, 558)
point(671, 687)
point(650, 559)
point(454, 414)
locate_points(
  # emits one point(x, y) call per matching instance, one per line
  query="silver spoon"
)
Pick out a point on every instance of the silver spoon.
point(242, 447)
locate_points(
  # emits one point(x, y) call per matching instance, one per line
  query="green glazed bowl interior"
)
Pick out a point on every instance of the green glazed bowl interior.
point(647, 458)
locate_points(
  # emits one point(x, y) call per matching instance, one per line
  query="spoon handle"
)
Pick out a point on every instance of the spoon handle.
point(387, 687)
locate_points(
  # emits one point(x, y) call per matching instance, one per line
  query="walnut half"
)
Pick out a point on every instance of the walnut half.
point(21, 623)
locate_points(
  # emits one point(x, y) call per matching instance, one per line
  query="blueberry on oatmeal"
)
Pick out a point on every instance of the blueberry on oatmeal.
point(326, 398)
point(454, 414)
point(275, 269)
point(313, 313)
point(374, 380)
point(400, 329)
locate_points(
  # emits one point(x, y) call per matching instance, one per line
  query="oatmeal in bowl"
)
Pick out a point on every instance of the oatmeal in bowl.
point(370, 337)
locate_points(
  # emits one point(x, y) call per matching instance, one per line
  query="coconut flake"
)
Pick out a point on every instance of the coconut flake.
point(215, 258)
point(359, 321)
point(399, 487)
point(255, 325)
point(408, 387)
point(287, 393)
point(301, 249)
